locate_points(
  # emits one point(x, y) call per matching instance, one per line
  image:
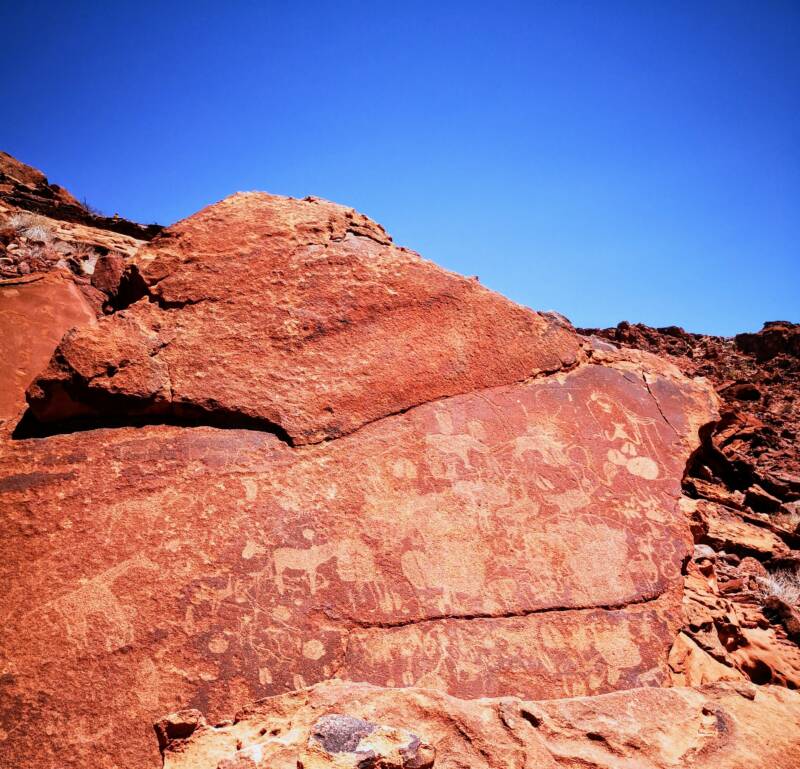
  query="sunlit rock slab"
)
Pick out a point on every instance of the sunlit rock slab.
point(521, 540)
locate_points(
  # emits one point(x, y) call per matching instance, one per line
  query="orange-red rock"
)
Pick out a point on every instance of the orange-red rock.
point(727, 726)
point(473, 522)
point(298, 314)
point(746, 489)
point(35, 312)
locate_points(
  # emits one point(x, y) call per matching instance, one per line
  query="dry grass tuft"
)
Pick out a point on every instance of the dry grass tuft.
point(32, 226)
point(782, 584)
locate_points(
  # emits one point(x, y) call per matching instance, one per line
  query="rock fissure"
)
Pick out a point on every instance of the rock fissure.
point(658, 404)
point(310, 327)
point(467, 617)
point(170, 411)
point(176, 304)
point(478, 392)
point(184, 416)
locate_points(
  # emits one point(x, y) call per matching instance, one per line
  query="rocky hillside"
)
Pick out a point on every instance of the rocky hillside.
point(282, 457)
point(25, 188)
point(742, 490)
point(43, 229)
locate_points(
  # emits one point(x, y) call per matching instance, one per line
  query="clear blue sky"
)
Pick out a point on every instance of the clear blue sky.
point(612, 160)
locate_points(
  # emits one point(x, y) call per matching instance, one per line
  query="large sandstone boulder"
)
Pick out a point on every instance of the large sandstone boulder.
point(437, 487)
point(299, 316)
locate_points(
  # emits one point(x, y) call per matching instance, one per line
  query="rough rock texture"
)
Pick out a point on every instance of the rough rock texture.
point(521, 540)
point(730, 634)
point(726, 726)
point(35, 312)
point(743, 486)
point(345, 742)
point(438, 488)
point(55, 273)
point(294, 314)
point(758, 378)
point(26, 188)
point(43, 229)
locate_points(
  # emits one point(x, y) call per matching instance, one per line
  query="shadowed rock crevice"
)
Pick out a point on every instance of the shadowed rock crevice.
point(104, 411)
point(133, 287)
point(130, 289)
point(29, 427)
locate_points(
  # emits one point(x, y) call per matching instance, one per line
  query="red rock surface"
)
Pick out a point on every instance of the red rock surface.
point(298, 315)
point(731, 726)
point(491, 506)
point(758, 379)
point(35, 312)
point(744, 504)
point(203, 567)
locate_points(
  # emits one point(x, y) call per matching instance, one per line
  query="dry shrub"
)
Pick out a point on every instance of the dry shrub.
point(782, 584)
point(32, 226)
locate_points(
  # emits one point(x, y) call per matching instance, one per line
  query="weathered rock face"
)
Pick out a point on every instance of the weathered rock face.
point(36, 312)
point(721, 727)
point(18, 181)
point(441, 488)
point(743, 486)
point(757, 376)
point(43, 229)
point(295, 314)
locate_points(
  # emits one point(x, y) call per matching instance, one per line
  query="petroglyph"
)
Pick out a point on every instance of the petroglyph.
point(418, 499)
point(610, 648)
point(93, 612)
point(632, 434)
point(468, 547)
point(354, 563)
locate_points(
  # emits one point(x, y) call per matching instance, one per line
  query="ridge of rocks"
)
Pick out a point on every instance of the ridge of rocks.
point(26, 188)
point(725, 726)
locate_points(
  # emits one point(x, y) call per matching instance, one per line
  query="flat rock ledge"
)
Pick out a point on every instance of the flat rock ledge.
point(725, 726)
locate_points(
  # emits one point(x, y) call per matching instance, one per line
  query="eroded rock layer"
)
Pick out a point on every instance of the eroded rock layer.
point(438, 488)
point(720, 727)
point(26, 188)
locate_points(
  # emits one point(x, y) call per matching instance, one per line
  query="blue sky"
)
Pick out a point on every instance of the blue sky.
point(611, 160)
